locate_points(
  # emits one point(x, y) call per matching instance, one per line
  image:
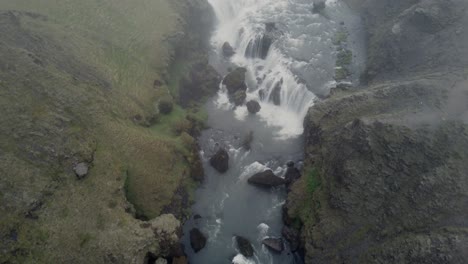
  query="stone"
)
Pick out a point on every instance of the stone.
point(235, 81)
point(244, 246)
point(274, 244)
point(197, 240)
point(253, 106)
point(238, 98)
point(266, 179)
point(292, 236)
point(220, 161)
point(228, 50)
point(81, 170)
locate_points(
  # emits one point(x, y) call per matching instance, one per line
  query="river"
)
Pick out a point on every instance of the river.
point(301, 60)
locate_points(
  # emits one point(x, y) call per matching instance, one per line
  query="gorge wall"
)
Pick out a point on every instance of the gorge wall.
point(386, 177)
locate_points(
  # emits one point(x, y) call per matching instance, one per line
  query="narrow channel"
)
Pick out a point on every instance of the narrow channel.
point(288, 52)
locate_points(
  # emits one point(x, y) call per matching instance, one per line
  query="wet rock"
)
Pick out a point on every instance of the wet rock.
point(81, 170)
point(259, 47)
point(319, 7)
point(253, 106)
point(228, 50)
point(203, 80)
point(177, 250)
point(266, 179)
point(290, 164)
point(220, 161)
point(275, 96)
point(196, 169)
point(197, 240)
point(244, 246)
point(238, 98)
point(235, 81)
point(292, 236)
point(197, 216)
point(292, 174)
point(275, 244)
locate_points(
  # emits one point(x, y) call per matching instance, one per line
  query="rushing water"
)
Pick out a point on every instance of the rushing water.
point(301, 60)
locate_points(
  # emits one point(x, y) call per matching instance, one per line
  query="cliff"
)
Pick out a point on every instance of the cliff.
point(386, 177)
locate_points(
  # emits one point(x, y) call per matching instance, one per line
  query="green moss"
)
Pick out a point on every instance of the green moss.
point(340, 37)
point(344, 58)
point(341, 73)
point(313, 180)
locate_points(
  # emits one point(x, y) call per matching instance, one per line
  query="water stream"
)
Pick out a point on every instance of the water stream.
point(301, 60)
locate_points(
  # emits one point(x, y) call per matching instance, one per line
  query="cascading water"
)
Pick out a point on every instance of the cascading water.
point(290, 58)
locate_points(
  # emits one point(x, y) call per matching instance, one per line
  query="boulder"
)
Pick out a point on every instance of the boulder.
point(81, 170)
point(180, 260)
point(266, 179)
point(244, 246)
point(228, 50)
point(253, 106)
point(235, 81)
point(290, 164)
point(292, 236)
point(161, 261)
point(220, 161)
point(275, 244)
point(238, 98)
point(197, 240)
point(319, 7)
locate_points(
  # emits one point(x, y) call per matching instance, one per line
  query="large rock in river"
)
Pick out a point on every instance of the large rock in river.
point(244, 246)
point(275, 244)
point(235, 81)
point(220, 161)
point(266, 179)
point(253, 106)
point(228, 50)
point(197, 240)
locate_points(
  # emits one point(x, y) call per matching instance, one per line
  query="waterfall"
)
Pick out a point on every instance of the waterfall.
point(286, 50)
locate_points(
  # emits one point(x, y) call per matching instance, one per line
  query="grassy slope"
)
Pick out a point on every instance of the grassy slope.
point(71, 83)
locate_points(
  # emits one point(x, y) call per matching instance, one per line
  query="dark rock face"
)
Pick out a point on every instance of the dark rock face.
point(253, 106)
point(292, 174)
point(81, 170)
point(228, 50)
point(244, 246)
point(266, 179)
point(393, 172)
point(220, 161)
point(197, 240)
point(202, 81)
point(275, 96)
point(238, 98)
point(274, 244)
point(235, 81)
point(292, 236)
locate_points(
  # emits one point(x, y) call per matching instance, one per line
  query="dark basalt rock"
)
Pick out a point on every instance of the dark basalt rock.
point(253, 106)
point(228, 50)
point(244, 246)
point(292, 174)
point(235, 81)
point(292, 236)
point(197, 240)
point(266, 179)
point(220, 161)
point(319, 7)
point(274, 244)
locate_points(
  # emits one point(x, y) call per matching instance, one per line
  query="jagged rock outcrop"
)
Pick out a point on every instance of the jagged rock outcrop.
point(228, 50)
point(266, 179)
point(392, 183)
point(220, 161)
point(197, 240)
point(274, 244)
point(244, 246)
